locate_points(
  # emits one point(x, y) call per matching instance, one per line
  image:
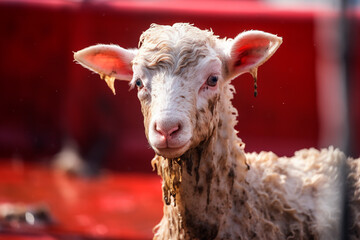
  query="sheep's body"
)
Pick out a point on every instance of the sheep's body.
point(280, 198)
point(211, 188)
point(216, 191)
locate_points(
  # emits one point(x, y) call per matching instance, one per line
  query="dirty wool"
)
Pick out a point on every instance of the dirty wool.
point(212, 189)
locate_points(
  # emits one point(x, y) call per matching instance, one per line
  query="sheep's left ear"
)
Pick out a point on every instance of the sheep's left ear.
point(249, 50)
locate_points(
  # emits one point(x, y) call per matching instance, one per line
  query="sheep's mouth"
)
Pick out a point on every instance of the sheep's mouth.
point(172, 152)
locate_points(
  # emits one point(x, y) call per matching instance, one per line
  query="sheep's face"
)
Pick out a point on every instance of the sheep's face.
point(179, 103)
point(180, 72)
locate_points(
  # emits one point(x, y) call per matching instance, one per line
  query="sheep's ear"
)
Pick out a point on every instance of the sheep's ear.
point(109, 61)
point(251, 49)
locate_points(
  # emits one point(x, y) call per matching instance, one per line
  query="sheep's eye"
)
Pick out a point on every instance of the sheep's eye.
point(212, 80)
point(139, 83)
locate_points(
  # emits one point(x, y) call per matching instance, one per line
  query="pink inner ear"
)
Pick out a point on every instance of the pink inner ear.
point(110, 62)
point(251, 53)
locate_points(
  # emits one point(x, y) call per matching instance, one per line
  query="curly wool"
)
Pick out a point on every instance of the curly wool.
point(217, 191)
point(214, 190)
point(167, 46)
point(305, 188)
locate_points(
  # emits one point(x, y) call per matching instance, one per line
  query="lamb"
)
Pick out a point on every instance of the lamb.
point(212, 189)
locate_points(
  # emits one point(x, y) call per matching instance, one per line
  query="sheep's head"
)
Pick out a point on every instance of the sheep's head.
point(180, 72)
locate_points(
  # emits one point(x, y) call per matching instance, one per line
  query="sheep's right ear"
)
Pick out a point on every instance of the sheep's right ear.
point(109, 61)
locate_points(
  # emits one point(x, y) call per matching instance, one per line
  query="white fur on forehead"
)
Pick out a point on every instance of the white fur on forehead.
point(174, 46)
point(174, 35)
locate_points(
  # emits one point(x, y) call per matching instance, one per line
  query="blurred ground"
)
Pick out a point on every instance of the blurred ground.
point(110, 206)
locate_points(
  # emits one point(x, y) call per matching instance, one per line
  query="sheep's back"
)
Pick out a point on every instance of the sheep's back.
point(354, 197)
point(307, 185)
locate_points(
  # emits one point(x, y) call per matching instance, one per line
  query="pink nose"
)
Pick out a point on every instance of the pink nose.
point(168, 132)
point(167, 129)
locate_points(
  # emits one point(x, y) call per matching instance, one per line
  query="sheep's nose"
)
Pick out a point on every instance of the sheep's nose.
point(169, 133)
point(167, 129)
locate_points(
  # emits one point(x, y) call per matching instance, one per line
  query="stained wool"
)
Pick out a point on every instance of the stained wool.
point(212, 189)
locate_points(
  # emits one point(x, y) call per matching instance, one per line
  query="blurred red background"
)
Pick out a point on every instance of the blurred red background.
point(47, 99)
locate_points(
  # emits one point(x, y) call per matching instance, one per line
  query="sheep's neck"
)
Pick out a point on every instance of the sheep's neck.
point(197, 187)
